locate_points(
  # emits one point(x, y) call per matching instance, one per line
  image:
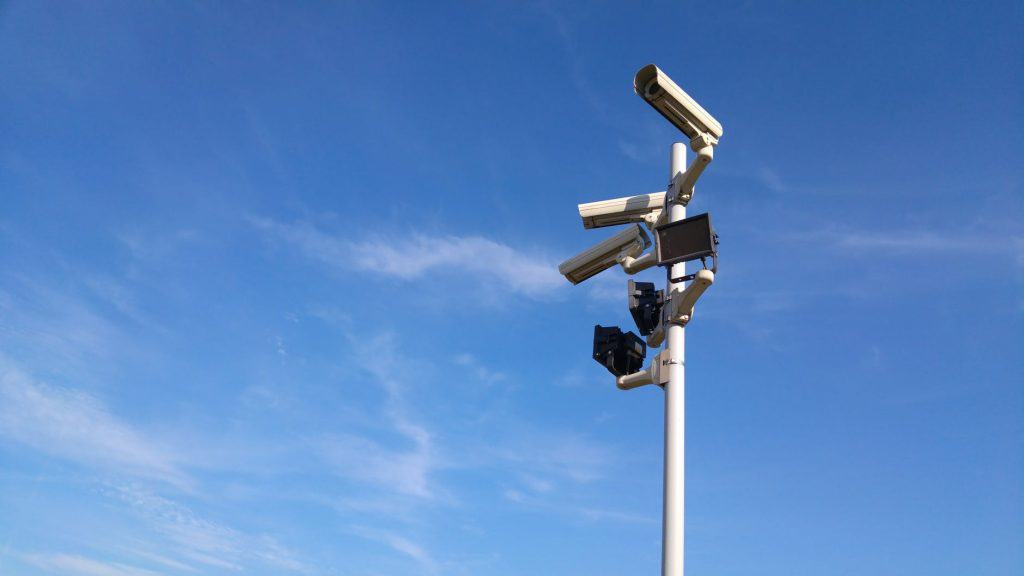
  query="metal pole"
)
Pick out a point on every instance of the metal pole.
point(675, 404)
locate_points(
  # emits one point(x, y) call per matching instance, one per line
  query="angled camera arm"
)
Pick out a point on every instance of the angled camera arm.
point(681, 186)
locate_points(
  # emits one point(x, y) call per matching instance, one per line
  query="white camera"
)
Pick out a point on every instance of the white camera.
point(675, 105)
point(640, 208)
point(622, 248)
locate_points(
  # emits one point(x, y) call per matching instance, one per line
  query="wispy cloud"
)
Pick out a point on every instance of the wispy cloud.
point(771, 180)
point(371, 463)
point(203, 541)
point(915, 241)
point(401, 545)
point(194, 538)
point(81, 566)
point(562, 506)
point(573, 378)
point(548, 472)
point(415, 256)
point(479, 371)
point(160, 559)
point(404, 470)
point(609, 287)
point(575, 59)
point(603, 515)
point(77, 426)
point(48, 323)
point(562, 456)
point(546, 469)
point(145, 246)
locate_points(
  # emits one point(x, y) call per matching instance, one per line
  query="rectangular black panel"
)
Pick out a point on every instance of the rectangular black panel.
point(686, 240)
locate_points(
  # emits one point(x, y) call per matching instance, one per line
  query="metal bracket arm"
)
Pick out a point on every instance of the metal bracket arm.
point(670, 313)
point(652, 219)
point(681, 186)
point(656, 373)
point(656, 337)
point(631, 265)
point(681, 303)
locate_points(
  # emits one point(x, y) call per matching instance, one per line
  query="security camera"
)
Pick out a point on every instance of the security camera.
point(623, 248)
point(621, 353)
point(676, 106)
point(640, 208)
point(645, 305)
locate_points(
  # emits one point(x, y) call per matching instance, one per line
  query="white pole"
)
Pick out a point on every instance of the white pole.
point(675, 404)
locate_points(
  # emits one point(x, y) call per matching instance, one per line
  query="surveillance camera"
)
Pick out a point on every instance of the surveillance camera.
point(675, 105)
point(621, 353)
point(645, 305)
point(640, 208)
point(622, 247)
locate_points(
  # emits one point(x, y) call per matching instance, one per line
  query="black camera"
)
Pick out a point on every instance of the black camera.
point(645, 305)
point(621, 353)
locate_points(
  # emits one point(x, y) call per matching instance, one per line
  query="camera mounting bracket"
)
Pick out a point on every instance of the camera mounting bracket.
point(633, 264)
point(656, 373)
point(681, 303)
point(680, 187)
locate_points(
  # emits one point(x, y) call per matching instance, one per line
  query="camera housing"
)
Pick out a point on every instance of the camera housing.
point(623, 247)
point(645, 305)
point(665, 96)
point(621, 353)
point(640, 208)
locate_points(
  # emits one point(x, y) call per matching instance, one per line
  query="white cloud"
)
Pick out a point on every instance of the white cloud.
point(79, 565)
point(563, 506)
point(632, 151)
point(76, 426)
point(415, 256)
point(551, 470)
point(537, 484)
point(149, 247)
point(608, 288)
point(406, 470)
point(161, 559)
point(513, 495)
point(203, 541)
point(400, 544)
point(573, 378)
point(913, 242)
point(478, 369)
point(195, 538)
point(602, 515)
point(61, 330)
point(771, 180)
point(568, 456)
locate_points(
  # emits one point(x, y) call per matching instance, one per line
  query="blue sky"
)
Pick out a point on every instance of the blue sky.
point(278, 290)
